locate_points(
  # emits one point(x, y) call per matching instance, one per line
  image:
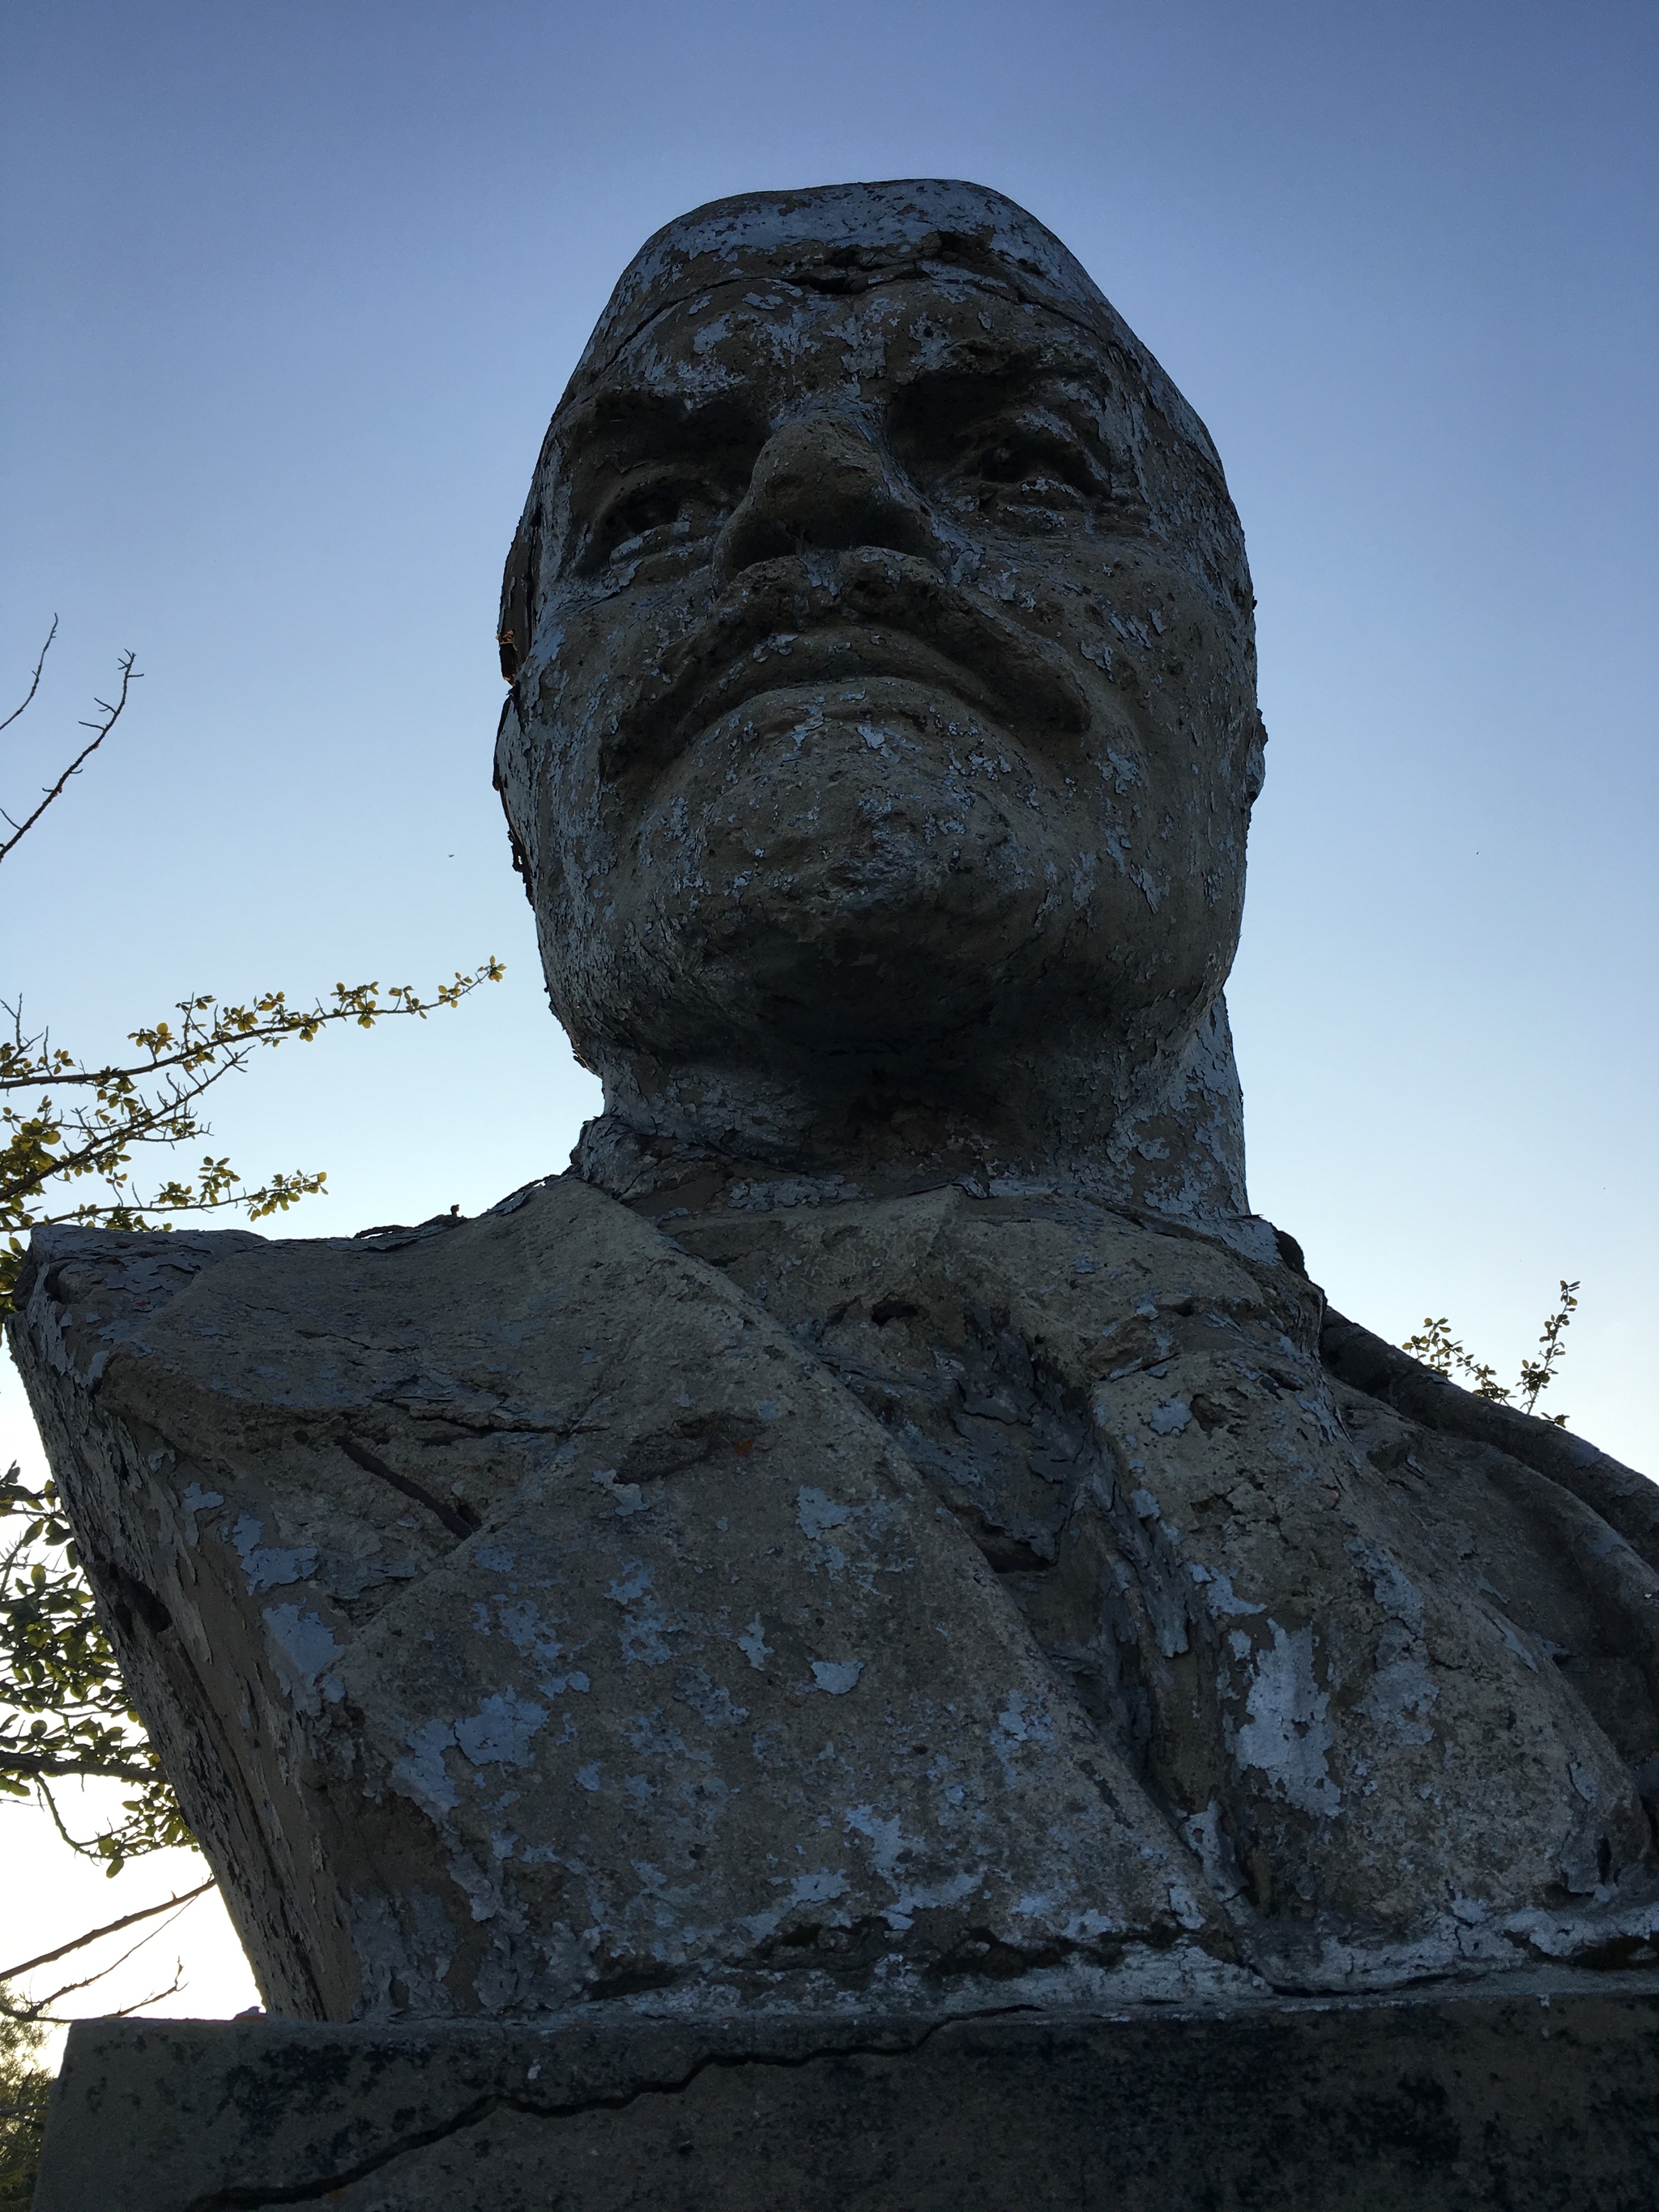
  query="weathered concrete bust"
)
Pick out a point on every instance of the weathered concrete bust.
point(883, 731)
point(888, 1529)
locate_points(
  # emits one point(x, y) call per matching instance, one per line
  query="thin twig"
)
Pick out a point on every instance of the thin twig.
point(91, 1981)
point(66, 1770)
point(114, 1928)
point(86, 1851)
point(125, 2012)
point(69, 1989)
point(36, 2009)
point(36, 685)
point(111, 716)
point(44, 2019)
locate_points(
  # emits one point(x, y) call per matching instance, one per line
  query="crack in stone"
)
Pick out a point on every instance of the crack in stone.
point(247, 2197)
point(461, 1520)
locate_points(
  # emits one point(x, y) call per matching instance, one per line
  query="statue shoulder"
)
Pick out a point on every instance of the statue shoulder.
point(245, 1309)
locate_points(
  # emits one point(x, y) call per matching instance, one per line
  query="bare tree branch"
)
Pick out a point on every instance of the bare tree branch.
point(112, 1927)
point(125, 2012)
point(38, 2015)
point(39, 2008)
point(36, 685)
point(111, 715)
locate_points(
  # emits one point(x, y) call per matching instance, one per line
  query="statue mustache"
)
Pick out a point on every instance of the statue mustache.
point(894, 615)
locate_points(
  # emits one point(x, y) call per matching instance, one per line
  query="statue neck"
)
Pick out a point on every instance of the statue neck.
point(1165, 1137)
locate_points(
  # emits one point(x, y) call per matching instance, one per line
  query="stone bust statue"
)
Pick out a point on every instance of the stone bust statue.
point(883, 731)
point(888, 1527)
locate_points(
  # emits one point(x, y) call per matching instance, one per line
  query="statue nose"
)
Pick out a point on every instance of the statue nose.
point(823, 485)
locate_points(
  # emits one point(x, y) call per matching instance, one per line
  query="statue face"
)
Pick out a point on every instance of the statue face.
point(889, 689)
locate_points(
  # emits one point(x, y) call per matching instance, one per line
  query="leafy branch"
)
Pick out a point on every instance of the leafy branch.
point(113, 1109)
point(70, 1132)
point(65, 1710)
point(1436, 1347)
point(25, 2091)
point(49, 1142)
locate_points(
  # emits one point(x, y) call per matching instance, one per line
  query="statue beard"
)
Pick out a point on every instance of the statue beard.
point(870, 872)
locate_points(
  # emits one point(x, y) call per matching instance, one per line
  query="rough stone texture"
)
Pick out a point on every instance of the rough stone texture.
point(890, 1531)
point(1539, 2100)
point(715, 1688)
point(882, 730)
point(897, 1601)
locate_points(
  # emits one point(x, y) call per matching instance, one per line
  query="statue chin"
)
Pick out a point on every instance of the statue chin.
point(875, 868)
point(835, 849)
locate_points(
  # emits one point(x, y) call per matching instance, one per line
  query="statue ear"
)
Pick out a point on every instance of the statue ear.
point(511, 775)
point(519, 587)
point(1256, 756)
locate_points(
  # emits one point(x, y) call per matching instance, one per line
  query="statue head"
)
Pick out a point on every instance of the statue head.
point(883, 734)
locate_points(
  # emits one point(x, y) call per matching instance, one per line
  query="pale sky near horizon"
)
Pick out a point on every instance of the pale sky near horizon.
point(290, 293)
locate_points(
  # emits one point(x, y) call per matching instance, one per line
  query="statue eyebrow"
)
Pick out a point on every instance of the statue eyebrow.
point(949, 396)
point(974, 362)
point(982, 371)
point(637, 422)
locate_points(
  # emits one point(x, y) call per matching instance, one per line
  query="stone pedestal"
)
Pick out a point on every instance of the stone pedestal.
point(1540, 2092)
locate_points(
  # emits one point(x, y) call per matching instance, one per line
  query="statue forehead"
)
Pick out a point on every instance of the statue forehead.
point(780, 344)
point(840, 239)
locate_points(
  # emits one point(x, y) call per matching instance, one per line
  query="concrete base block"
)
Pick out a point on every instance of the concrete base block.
point(1540, 2092)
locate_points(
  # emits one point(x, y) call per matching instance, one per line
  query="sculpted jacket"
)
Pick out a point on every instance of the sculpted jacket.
point(955, 1599)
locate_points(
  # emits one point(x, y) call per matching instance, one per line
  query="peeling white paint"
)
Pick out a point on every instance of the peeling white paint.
point(1393, 1590)
point(423, 1775)
point(269, 1567)
point(1288, 1735)
point(197, 1500)
point(630, 1497)
point(499, 1731)
point(302, 1645)
point(815, 1512)
point(1219, 1596)
point(753, 1643)
point(817, 1888)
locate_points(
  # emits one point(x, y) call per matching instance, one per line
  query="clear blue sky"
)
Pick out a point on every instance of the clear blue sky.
point(290, 293)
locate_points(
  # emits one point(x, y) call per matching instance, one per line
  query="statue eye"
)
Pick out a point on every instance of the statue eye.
point(1038, 463)
point(650, 518)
